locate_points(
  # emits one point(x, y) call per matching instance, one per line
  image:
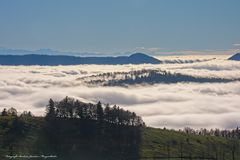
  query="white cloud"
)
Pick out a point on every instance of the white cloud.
point(169, 52)
point(151, 50)
point(174, 106)
point(236, 44)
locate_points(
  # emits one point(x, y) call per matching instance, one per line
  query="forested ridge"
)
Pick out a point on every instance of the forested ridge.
point(72, 129)
point(146, 76)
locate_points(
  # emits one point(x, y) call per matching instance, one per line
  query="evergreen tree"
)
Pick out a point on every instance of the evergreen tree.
point(107, 113)
point(51, 109)
point(26, 114)
point(100, 114)
point(4, 112)
point(12, 112)
point(78, 109)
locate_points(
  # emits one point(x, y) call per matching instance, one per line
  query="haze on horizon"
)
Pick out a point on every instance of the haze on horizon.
point(118, 27)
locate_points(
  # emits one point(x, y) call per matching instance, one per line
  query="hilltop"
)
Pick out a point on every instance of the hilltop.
point(235, 57)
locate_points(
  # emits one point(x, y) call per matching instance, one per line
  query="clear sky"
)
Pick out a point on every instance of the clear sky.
point(115, 26)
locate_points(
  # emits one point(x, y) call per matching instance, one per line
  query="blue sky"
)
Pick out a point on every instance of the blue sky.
point(117, 26)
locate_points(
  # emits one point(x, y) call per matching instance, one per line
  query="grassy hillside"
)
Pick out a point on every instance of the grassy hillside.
point(68, 140)
point(157, 143)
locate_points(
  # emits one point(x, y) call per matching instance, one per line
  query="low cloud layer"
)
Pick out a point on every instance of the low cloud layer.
point(173, 106)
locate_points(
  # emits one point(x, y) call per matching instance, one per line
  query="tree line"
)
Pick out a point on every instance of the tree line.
point(71, 108)
point(75, 109)
point(230, 134)
point(13, 112)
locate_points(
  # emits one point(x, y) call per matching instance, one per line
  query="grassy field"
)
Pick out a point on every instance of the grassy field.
point(28, 139)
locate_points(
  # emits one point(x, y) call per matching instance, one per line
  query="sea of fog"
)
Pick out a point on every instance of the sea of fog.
point(178, 105)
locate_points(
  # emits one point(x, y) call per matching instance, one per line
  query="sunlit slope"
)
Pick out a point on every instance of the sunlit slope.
point(159, 143)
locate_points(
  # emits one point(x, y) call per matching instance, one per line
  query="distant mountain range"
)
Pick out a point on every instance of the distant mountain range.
point(235, 57)
point(53, 57)
point(52, 60)
point(7, 51)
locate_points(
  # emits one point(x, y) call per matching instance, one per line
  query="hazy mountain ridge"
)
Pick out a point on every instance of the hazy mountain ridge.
point(52, 60)
point(43, 51)
point(36, 57)
point(235, 57)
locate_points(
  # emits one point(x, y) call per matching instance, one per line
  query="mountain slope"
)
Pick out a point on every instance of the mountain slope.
point(235, 57)
point(52, 60)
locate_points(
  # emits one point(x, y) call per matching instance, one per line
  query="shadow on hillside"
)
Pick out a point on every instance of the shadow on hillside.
point(68, 139)
point(87, 139)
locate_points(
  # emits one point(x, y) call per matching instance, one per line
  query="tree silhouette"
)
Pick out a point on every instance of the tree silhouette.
point(12, 112)
point(107, 113)
point(4, 112)
point(26, 114)
point(71, 108)
point(100, 114)
point(51, 113)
